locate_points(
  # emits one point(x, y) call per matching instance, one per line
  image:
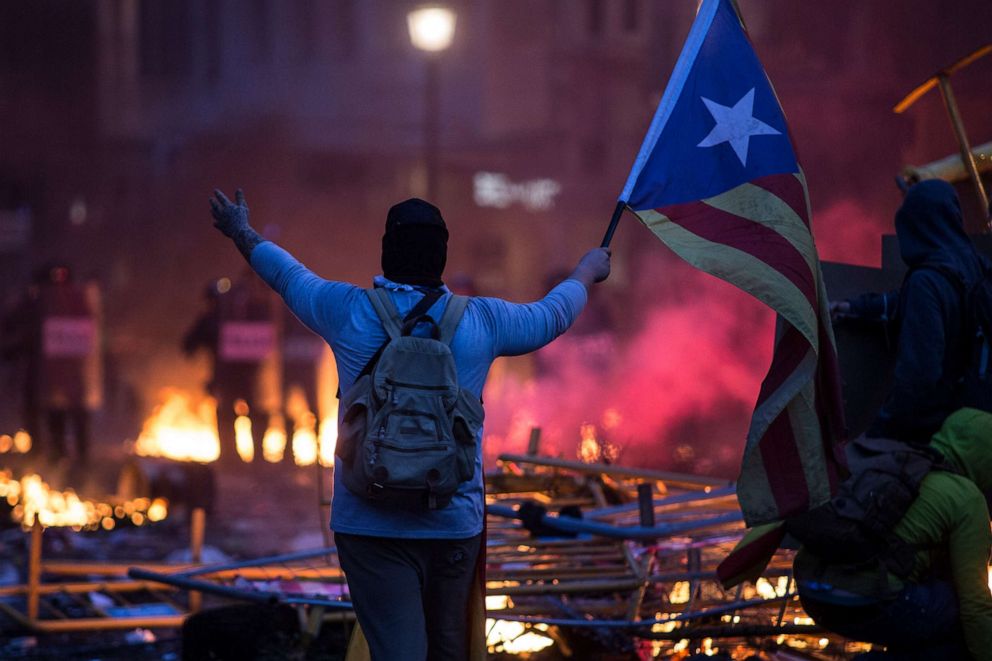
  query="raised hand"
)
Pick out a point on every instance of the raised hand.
point(229, 217)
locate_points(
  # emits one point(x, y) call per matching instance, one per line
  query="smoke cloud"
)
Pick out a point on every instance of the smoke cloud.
point(675, 394)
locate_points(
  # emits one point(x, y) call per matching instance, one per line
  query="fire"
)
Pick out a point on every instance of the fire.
point(305, 441)
point(33, 500)
point(19, 442)
point(181, 429)
point(243, 441)
point(498, 602)
point(766, 590)
point(589, 449)
point(274, 441)
point(680, 593)
point(515, 637)
point(328, 438)
point(309, 446)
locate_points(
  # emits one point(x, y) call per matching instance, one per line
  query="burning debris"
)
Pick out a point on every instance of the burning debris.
point(592, 449)
point(626, 575)
point(19, 443)
point(181, 428)
point(32, 500)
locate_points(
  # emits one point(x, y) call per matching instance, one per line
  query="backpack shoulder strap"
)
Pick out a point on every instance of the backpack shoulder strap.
point(452, 316)
point(386, 309)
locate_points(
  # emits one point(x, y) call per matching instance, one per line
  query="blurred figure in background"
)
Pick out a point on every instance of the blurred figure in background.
point(238, 333)
point(51, 336)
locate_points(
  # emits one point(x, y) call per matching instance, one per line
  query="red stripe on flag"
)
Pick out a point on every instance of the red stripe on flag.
point(783, 466)
point(752, 237)
point(749, 558)
point(790, 189)
point(789, 353)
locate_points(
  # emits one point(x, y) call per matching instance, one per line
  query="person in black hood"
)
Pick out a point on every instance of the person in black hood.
point(928, 311)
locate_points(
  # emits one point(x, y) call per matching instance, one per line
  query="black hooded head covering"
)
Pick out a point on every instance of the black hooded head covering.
point(415, 245)
point(930, 229)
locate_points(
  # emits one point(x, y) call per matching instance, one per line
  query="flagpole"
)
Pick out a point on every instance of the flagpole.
point(614, 221)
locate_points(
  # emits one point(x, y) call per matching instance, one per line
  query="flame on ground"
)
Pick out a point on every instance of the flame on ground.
point(308, 445)
point(182, 427)
point(20, 442)
point(589, 450)
point(274, 440)
point(31, 499)
point(516, 637)
point(512, 637)
point(328, 438)
point(243, 441)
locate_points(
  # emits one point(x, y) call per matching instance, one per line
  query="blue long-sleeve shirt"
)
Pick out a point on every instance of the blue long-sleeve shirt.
point(342, 314)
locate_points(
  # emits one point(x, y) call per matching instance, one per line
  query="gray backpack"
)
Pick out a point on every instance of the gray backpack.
point(408, 433)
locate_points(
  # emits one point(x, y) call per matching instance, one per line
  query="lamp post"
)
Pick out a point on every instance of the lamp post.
point(432, 28)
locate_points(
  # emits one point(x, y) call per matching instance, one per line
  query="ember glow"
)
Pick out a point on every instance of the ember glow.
point(32, 499)
point(309, 445)
point(328, 438)
point(516, 637)
point(274, 441)
point(19, 443)
point(305, 442)
point(182, 428)
point(592, 449)
point(243, 441)
point(589, 451)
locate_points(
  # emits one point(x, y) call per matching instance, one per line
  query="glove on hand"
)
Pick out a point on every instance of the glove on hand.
point(232, 220)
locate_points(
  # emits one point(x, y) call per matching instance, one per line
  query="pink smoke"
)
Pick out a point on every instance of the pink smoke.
point(676, 394)
point(847, 232)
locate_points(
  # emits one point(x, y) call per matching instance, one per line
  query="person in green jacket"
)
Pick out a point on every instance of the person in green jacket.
point(943, 608)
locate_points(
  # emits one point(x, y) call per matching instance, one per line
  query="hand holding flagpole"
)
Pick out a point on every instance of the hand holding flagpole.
point(614, 221)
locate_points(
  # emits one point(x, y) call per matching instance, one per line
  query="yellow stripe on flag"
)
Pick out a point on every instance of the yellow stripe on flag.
point(739, 269)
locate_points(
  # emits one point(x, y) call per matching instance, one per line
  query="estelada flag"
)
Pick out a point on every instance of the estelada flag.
point(718, 181)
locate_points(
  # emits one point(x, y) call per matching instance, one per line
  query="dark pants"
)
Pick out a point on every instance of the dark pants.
point(921, 623)
point(411, 596)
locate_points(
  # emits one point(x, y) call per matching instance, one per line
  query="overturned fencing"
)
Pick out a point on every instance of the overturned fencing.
point(581, 557)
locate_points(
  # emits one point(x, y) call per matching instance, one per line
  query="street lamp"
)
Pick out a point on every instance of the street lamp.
point(432, 28)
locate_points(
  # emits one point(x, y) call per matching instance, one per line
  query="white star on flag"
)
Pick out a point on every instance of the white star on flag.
point(735, 125)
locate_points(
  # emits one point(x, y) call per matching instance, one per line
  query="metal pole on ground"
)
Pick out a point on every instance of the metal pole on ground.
point(197, 525)
point(34, 570)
